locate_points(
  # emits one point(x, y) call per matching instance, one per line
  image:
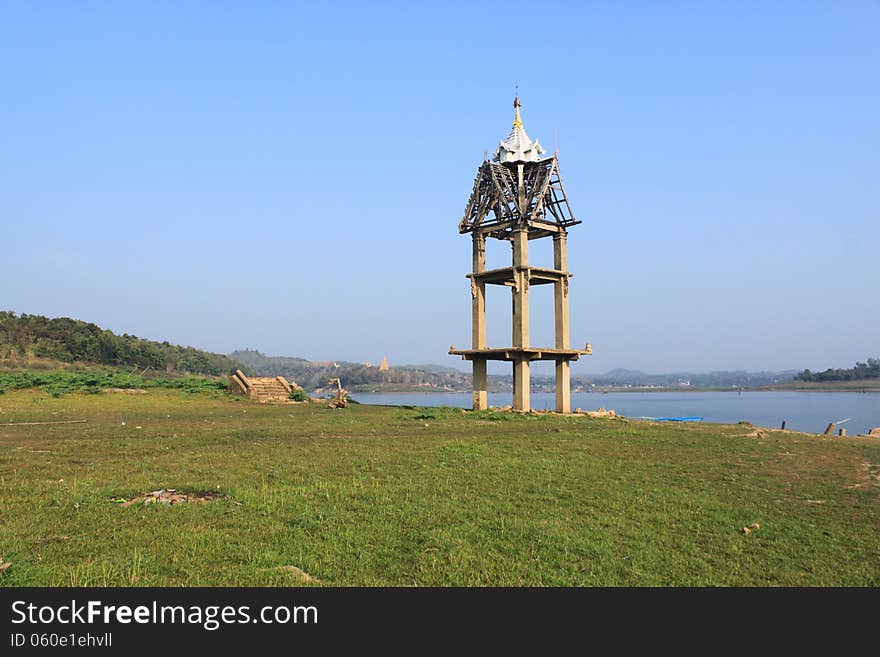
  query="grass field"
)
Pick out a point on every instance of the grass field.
point(397, 496)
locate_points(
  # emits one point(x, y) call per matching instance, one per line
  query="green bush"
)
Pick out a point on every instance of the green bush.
point(299, 395)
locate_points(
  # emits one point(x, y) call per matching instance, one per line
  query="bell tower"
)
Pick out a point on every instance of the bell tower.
point(517, 197)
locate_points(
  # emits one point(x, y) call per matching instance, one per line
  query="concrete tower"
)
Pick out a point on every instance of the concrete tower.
point(518, 196)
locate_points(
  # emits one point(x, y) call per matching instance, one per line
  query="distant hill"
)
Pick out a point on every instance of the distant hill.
point(259, 363)
point(620, 374)
point(717, 379)
point(355, 376)
point(74, 341)
point(432, 367)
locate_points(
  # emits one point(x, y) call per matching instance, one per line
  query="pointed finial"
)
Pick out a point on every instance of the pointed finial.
point(517, 121)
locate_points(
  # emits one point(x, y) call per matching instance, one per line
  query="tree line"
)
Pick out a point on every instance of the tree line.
point(71, 340)
point(869, 370)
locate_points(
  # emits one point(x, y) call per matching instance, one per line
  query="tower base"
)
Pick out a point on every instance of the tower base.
point(521, 357)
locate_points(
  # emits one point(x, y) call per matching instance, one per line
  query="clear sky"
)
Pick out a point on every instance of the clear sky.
point(290, 176)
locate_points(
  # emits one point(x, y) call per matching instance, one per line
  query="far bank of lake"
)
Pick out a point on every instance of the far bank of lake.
point(802, 411)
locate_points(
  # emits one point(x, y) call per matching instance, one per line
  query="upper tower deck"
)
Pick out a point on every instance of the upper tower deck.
point(518, 187)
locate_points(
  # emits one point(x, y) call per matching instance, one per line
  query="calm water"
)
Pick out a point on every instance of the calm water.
point(803, 411)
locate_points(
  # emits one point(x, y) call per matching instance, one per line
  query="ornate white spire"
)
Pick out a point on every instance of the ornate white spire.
point(518, 147)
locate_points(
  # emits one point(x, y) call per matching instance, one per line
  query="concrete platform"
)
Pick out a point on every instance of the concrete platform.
point(520, 353)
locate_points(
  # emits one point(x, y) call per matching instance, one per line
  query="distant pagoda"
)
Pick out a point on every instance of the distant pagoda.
point(518, 196)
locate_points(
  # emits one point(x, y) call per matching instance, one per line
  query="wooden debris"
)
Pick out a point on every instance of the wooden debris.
point(341, 399)
point(600, 412)
point(265, 389)
point(171, 496)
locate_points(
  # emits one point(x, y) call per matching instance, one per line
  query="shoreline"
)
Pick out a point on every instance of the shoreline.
point(805, 413)
point(633, 389)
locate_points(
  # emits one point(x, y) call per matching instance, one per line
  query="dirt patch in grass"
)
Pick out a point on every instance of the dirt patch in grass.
point(171, 496)
point(868, 475)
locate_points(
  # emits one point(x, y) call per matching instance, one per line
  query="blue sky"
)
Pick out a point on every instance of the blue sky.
point(290, 177)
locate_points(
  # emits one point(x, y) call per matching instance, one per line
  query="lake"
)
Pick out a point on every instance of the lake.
point(802, 411)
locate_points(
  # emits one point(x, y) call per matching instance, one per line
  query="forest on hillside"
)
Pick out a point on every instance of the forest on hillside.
point(71, 340)
point(869, 370)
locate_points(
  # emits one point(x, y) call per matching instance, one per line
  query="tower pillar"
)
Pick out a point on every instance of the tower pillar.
point(481, 395)
point(520, 292)
point(560, 297)
point(478, 325)
point(521, 287)
point(521, 385)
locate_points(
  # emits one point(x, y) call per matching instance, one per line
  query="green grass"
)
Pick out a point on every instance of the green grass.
point(416, 496)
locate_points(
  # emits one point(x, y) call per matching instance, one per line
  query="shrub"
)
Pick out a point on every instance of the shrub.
point(299, 395)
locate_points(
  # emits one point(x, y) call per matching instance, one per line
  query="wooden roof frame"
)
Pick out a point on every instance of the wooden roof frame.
point(510, 194)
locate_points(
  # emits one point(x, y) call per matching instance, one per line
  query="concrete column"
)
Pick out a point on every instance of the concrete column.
point(520, 287)
point(560, 294)
point(478, 332)
point(479, 251)
point(560, 291)
point(521, 386)
point(521, 378)
point(563, 386)
point(478, 291)
point(481, 398)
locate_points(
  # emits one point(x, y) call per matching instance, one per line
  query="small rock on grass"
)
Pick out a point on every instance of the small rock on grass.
point(299, 572)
